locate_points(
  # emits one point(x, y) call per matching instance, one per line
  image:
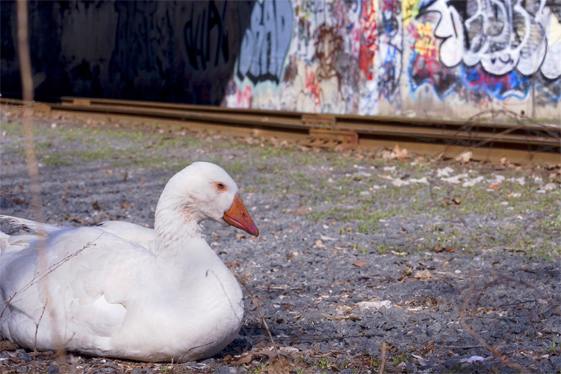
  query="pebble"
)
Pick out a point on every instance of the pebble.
point(226, 370)
point(24, 356)
point(142, 371)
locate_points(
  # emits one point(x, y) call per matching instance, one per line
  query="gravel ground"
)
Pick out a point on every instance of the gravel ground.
point(364, 259)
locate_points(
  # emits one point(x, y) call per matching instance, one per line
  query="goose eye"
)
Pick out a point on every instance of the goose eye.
point(220, 186)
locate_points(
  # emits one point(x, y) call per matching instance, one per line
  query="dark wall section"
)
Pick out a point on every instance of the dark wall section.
point(174, 51)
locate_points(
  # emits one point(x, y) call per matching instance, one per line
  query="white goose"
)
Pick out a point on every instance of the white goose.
point(124, 291)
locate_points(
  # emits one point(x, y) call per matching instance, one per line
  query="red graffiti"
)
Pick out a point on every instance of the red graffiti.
point(244, 97)
point(312, 85)
point(426, 67)
point(369, 40)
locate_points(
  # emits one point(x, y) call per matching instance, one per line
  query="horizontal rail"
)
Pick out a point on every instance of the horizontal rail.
point(519, 142)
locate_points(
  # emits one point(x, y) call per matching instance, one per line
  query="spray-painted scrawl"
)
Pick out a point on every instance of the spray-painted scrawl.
point(266, 41)
point(501, 35)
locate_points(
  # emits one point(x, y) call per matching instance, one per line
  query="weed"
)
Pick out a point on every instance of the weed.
point(383, 248)
point(324, 363)
point(375, 363)
point(56, 159)
point(401, 358)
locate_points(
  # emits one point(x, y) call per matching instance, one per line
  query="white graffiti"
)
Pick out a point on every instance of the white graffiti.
point(501, 35)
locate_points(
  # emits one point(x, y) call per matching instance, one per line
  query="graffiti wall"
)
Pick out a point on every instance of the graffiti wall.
point(417, 58)
point(175, 51)
point(421, 58)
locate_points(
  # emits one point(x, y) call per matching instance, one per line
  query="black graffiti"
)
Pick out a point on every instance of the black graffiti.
point(205, 36)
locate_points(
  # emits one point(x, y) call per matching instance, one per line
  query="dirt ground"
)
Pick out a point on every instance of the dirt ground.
point(367, 261)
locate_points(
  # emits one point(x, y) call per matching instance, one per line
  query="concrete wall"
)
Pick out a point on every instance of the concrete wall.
point(438, 58)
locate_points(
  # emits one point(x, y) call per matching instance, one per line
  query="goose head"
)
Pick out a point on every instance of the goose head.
point(204, 191)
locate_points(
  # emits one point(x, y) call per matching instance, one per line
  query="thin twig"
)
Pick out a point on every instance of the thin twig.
point(35, 340)
point(254, 299)
point(383, 350)
point(496, 353)
point(30, 156)
point(39, 277)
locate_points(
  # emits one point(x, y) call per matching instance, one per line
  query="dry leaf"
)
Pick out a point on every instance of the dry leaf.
point(319, 244)
point(6, 345)
point(126, 206)
point(240, 236)
point(464, 156)
point(244, 359)
point(19, 201)
point(72, 218)
point(423, 274)
point(494, 186)
point(438, 249)
point(400, 153)
point(454, 201)
point(279, 366)
point(359, 263)
point(300, 211)
point(351, 317)
point(407, 272)
point(96, 206)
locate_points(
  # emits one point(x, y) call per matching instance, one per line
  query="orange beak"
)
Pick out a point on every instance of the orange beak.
point(238, 216)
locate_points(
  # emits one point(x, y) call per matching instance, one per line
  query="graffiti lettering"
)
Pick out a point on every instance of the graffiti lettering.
point(391, 48)
point(205, 37)
point(266, 41)
point(501, 35)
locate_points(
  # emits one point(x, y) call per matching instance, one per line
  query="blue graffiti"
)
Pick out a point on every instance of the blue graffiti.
point(501, 87)
point(266, 41)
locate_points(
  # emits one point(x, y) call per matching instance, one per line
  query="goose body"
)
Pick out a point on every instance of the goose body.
point(125, 291)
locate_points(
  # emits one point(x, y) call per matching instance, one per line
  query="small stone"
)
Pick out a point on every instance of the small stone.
point(142, 371)
point(105, 370)
point(556, 361)
point(225, 370)
point(549, 186)
point(434, 328)
point(374, 304)
point(53, 369)
point(399, 182)
point(24, 356)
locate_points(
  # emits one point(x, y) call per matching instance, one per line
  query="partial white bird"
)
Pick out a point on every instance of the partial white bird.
point(124, 291)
